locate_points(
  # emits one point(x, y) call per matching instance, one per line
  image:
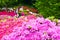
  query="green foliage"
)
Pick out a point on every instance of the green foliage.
point(8, 3)
point(48, 7)
point(52, 18)
point(11, 3)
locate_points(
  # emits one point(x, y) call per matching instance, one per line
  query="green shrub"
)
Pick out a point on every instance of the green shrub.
point(48, 7)
point(8, 3)
point(11, 3)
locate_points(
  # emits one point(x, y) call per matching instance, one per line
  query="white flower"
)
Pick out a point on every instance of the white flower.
point(21, 9)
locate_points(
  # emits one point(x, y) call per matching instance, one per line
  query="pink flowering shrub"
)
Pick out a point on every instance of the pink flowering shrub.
point(12, 13)
point(28, 28)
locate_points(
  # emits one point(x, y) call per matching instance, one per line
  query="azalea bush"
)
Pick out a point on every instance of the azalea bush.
point(28, 28)
point(48, 7)
point(12, 13)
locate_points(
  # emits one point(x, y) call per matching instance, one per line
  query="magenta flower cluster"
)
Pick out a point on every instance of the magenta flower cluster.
point(31, 28)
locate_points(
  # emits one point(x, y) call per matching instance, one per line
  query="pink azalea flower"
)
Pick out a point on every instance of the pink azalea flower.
point(28, 28)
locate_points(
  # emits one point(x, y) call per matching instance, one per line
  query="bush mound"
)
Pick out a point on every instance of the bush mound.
point(28, 28)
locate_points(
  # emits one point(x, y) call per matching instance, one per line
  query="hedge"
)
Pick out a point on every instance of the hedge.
point(48, 7)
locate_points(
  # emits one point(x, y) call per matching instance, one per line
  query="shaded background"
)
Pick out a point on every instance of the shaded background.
point(45, 7)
